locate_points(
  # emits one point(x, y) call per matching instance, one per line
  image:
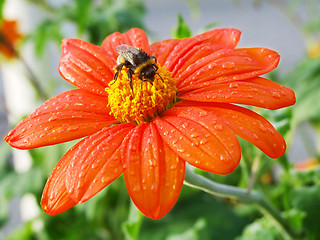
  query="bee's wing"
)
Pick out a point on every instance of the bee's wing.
point(127, 52)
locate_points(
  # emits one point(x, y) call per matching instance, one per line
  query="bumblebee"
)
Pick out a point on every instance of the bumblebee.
point(137, 62)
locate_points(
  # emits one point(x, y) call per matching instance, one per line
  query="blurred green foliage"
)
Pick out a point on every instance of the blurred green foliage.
point(92, 20)
point(197, 215)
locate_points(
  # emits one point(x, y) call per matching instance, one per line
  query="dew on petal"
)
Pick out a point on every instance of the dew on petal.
point(94, 165)
point(218, 127)
point(181, 150)
point(234, 85)
point(53, 118)
point(203, 141)
point(185, 125)
point(262, 128)
point(255, 136)
point(174, 141)
point(228, 65)
point(194, 135)
point(136, 188)
point(276, 95)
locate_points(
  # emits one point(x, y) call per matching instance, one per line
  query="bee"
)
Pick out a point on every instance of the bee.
point(137, 62)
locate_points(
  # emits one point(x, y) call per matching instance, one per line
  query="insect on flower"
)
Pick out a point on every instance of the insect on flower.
point(187, 112)
point(137, 62)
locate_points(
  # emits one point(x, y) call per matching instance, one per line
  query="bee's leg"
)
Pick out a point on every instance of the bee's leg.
point(156, 68)
point(118, 68)
point(130, 72)
point(116, 76)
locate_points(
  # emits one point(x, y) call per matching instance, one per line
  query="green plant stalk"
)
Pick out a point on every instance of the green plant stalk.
point(30, 75)
point(244, 196)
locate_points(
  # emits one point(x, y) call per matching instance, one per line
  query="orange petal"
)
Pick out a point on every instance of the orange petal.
point(178, 54)
point(217, 38)
point(68, 116)
point(153, 173)
point(9, 36)
point(162, 49)
point(258, 92)
point(55, 198)
point(86, 66)
point(227, 65)
point(247, 125)
point(134, 37)
point(96, 162)
point(201, 139)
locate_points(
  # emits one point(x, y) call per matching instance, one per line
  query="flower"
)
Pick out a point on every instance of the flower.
point(150, 130)
point(9, 36)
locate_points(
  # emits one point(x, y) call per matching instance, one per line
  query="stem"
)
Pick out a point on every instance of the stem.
point(242, 195)
point(31, 76)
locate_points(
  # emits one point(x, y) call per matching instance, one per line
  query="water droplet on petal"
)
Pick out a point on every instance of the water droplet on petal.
point(185, 125)
point(180, 150)
point(53, 118)
point(136, 188)
point(94, 165)
point(218, 127)
point(194, 135)
point(262, 128)
point(276, 95)
point(255, 136)
point(228, 65)
point(234, 85)
point(203, 141)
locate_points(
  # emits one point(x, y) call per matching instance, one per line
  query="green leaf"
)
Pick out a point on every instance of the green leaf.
point(47, 31)
point(192, 233)
point(307, 199)
point(82, 14)
point(1, 9)
point(182, 30)
point(132, 226)
point(261, 228)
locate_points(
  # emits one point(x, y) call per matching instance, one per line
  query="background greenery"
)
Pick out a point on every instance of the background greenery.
point(293, 189)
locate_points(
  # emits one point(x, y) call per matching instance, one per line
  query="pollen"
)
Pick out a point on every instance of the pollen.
point(145, 100)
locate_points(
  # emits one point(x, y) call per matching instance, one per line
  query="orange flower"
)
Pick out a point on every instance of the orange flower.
point(8, 38)
point(148, 131)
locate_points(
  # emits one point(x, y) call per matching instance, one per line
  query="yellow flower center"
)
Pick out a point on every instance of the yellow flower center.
point(145, 100)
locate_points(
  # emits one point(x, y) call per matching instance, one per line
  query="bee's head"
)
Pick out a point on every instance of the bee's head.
point(148, 73)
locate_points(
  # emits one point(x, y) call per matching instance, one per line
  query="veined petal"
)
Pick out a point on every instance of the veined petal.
point(258, 92)
point(162, 49)
point(134, 37)
point(153, 173)
point(86, 66)
point(227, 65)
point(200, 138)
point(95, 163)
point(217, 39)
point(55, 198)
point(68, 116)
point(247, 125)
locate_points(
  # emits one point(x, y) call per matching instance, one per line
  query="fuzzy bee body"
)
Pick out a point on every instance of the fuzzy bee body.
point(137, 62)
